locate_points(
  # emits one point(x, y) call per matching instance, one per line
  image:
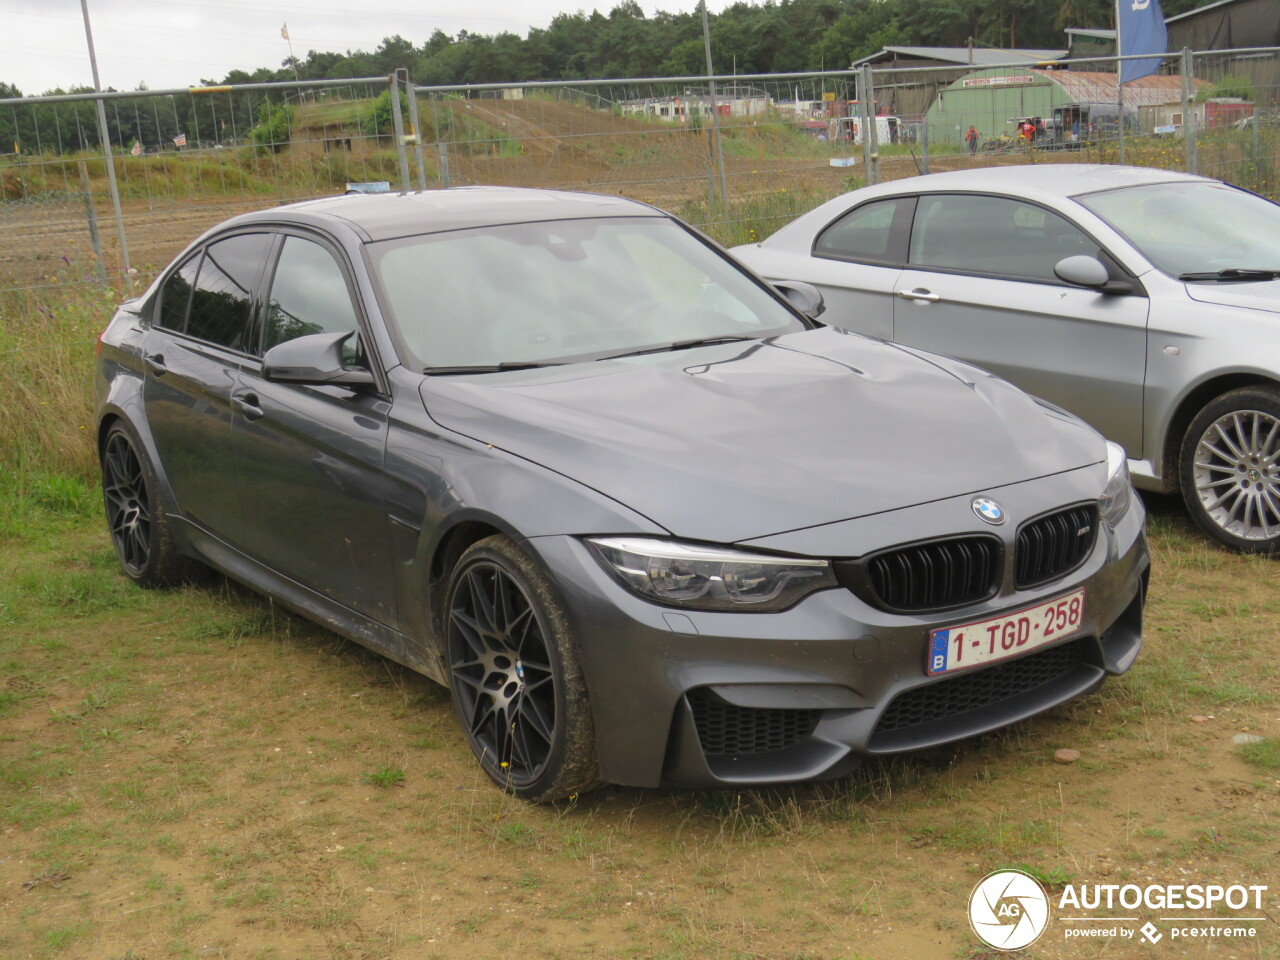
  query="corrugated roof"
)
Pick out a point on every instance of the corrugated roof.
point(981, 56)
point(1097, 34)
point(1199, 10)
point(1088, 86)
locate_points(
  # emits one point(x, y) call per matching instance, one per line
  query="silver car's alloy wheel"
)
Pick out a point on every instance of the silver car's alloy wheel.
point(1234, 469)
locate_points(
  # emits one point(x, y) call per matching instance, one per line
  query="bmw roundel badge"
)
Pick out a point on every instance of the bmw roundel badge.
point(988, 510)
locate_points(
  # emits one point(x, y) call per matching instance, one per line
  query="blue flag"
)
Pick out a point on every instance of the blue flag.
point(1140, 26)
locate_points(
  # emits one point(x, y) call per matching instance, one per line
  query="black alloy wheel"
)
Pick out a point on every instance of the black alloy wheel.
point(514, 677)
point(136, 518)
point(128, 503)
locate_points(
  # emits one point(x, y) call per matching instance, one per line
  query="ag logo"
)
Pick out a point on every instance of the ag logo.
point(1008, 910)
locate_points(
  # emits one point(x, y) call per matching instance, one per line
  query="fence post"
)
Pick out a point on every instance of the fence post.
point(415, 128)
point(105, 138)
point(92, 217)
point(442, 148)
point(397, 124)
point(870, 141)
point(924, 144)
point(1120, 110)
point(715, 109)
point(1190, 161)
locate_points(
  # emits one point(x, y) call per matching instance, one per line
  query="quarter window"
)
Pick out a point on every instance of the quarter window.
point(309, 295)
point(995, 236)
point(222, 301)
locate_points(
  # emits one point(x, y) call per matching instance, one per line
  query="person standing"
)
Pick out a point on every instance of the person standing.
point(971, 138)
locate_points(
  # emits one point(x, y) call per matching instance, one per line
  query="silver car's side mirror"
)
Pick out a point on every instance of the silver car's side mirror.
point(1082, 271)
point(805, 297)
point(314, 359)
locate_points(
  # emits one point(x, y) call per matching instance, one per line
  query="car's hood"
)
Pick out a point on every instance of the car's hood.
point(734, 441)
point(1262, 295)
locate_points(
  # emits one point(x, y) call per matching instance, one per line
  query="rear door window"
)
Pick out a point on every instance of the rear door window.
point(175, 296)
point(872, 233)
point(223, 297)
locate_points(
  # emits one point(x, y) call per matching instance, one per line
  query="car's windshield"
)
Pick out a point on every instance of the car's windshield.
point(541, 292)
point(1193, 227)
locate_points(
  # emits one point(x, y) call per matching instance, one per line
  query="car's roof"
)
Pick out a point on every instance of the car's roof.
point(1030, 179)
point(389, 215)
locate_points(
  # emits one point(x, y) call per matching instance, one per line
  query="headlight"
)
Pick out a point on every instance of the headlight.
point(1114, 502)
point(709, 578)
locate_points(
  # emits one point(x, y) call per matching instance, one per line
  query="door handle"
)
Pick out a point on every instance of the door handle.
point(919, 293)
point(247, 404)
point(155, 363)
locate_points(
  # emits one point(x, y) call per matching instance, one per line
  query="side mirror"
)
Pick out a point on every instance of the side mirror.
point(1084, 271)
point(315, 359)
point(805, 297)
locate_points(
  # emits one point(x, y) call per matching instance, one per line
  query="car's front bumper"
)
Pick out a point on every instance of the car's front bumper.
point(695, 698)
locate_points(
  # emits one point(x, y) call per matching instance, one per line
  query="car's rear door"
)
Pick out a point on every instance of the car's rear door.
point(194, 348)
point(309, 459)
point(979, 286)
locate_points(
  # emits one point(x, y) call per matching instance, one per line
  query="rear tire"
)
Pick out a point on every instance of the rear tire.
point(1229, 469)
point(136, 516)
point(514, 675)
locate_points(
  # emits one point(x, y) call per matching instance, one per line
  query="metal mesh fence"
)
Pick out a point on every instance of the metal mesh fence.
point(183, 162)
point(738, 156)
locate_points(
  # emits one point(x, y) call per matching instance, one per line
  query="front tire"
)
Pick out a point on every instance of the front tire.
point(514, 675)
point(136, 517)
point(1230, 469)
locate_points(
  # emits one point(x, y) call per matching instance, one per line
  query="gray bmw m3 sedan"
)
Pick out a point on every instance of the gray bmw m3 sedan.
point(649, 521)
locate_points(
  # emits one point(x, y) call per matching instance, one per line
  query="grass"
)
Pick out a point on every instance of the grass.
point(197, 763)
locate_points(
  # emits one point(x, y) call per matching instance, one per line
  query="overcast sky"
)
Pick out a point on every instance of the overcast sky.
point(175, 43)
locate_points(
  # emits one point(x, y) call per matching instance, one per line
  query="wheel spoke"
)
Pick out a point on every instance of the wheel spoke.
point(470, 630)
point(1235, 451)
point(532, 712)
point(482, 713)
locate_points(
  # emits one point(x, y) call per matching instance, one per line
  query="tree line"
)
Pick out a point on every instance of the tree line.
point(769, 37)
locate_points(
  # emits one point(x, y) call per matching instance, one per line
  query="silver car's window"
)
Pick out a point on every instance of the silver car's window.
point(308, 295)
point(1193, 227)
point(866, 233)
point(995, 236)
point(565, 289)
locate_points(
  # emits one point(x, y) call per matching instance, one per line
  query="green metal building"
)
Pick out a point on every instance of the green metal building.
point(990, 99)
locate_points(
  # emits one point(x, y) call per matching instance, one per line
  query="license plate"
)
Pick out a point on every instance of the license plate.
point(986, 641)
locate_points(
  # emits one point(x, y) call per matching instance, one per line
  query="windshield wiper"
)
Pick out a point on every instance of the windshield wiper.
point(491, 367)
point(679, 345)
point(1238, 274)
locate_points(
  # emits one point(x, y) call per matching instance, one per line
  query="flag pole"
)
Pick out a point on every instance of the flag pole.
point(293, 61)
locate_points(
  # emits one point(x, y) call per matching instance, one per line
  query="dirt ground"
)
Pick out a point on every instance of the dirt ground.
point(535, 144)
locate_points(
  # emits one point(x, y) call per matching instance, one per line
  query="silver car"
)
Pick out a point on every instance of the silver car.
point(1143, 301)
